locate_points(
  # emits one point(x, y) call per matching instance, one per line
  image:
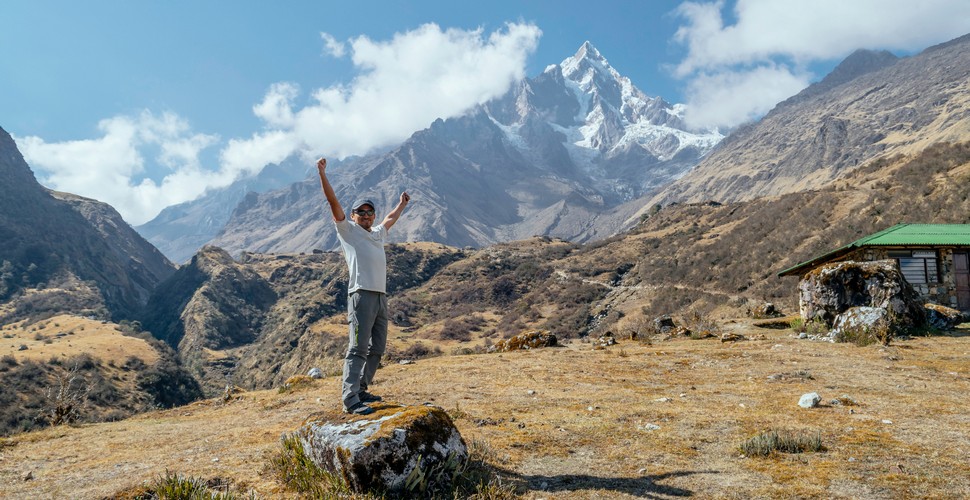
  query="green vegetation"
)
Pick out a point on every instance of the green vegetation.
point(814, 327)
point(298, 474)
point(863, 335)
point(178, 486)
point(769, 442)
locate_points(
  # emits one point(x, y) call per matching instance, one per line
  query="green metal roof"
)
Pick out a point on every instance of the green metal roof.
point(898, 235)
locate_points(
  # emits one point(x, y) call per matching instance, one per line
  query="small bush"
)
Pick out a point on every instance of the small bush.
point(766, 443)
point(701, 326)
point(814, 327)
point(416, 350)
point(863, 335)
point(174, 485)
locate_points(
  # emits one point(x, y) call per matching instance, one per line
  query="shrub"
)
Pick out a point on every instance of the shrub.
point(766, 443)
point(66, 397)
point(416, 350)
point(863, 335)
point(297, 473)
point(460, 328)
point(814, 327)
point(7, 361)
point(174, 485)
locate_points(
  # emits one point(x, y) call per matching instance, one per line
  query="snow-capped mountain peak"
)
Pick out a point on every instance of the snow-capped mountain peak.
point(603, 123)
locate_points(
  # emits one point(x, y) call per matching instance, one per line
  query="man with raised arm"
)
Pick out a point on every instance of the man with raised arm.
point(363, 246)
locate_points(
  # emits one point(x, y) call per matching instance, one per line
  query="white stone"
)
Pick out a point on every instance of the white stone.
point(810, 400)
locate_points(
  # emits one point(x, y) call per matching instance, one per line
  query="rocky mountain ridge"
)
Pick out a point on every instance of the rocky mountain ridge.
point(872, 106)
point(48, 238)
point(562, 154)
point(181, 230)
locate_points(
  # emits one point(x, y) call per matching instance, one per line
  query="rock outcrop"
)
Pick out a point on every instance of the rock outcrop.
point(831, 290)
point(409, 450)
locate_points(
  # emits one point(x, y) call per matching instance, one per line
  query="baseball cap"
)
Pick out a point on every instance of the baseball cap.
point(361, 202)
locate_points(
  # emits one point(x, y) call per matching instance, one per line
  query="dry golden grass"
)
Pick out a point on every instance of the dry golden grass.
point(67, 335)
point(633, 420)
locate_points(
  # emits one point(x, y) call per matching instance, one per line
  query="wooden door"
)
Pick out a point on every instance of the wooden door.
point(961, 269)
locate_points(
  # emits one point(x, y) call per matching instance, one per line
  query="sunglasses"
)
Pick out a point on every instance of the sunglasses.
point(364, 213)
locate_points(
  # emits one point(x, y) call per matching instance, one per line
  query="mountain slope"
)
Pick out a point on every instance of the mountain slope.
point(180, 230)
point(871, 106)
point(558, 155)
point(49, 237)
point(256, 321)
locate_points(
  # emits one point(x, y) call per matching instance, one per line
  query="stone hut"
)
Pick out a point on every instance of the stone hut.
point(934, 259)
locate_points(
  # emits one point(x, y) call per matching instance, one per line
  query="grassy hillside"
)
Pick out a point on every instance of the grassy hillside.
point(664, 418)
point(68, 369)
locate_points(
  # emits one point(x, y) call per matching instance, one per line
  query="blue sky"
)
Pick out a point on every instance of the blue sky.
point(145, 104)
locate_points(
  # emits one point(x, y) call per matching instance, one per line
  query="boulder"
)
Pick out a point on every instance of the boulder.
point(942, 317)
point(810, 400)
point(832, 289)
point(315, 373)
point(765, 310)
point(605, 340)
point(398, 449)
point(874, 320)
point(529, 340)
point(663, 324)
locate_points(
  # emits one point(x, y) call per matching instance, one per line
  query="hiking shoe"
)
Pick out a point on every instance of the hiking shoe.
point(359, 409)
point(366, 397)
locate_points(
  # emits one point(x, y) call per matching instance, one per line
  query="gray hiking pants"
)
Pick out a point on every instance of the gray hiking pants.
point(367, 316)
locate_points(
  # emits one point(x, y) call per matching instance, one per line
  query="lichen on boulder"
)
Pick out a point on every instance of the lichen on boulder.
point(942, 317)
point(871, 321)
point(403, 449)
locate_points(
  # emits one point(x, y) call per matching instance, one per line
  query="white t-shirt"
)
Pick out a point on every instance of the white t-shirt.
point(364, 251)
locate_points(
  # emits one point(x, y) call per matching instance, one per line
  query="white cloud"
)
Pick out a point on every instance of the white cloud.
point(771, 37)
point(249, 156)
point(107, 168)
point(277, 106)
point(332, 46)
point(403, 85)
point(728, 98)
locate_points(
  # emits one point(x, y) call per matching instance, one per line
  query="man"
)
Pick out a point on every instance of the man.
point(363, 246)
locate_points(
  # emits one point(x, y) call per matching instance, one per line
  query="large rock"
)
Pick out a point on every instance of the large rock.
point(872, 321)
point(832, 289)
point(529, 340)
point(403, 449)
point(942, 317)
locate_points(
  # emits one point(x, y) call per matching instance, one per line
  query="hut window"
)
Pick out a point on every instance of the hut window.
point(918, 266)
